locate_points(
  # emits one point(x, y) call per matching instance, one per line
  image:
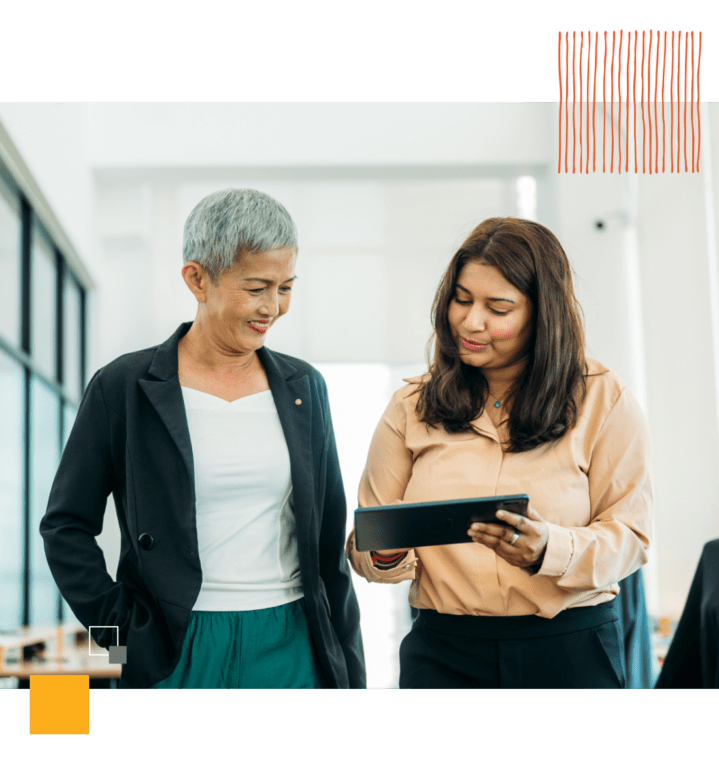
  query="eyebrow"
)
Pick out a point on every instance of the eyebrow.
point(489, 298)
point(268, 282)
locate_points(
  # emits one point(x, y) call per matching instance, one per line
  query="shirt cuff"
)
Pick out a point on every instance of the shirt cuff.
point(385, 563)
point(362, 563)
point(558, 554)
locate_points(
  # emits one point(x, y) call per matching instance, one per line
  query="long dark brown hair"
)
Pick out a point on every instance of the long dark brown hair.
point(548, 393)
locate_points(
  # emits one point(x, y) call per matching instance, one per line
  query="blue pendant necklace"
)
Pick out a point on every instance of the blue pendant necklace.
point(497, 401)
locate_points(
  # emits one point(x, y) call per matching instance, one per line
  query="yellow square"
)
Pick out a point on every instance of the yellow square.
point(59, 704)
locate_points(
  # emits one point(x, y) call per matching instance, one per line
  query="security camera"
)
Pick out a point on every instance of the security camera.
point(620, 216)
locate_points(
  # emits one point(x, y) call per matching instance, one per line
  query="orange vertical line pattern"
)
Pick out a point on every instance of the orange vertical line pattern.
point(619, 121)
point(626, 147)
point(594, 106)
point(634, 100)
point(656, 122)
point(691, 108)
point(581, 101)
point(566, 101)
point(664, 66)
point(679, 113)
point(686, 73)
point(699, 114)
point(671, 111)
point(604, 108)
point(559, 58)
point(641, 72)
point(611, 101)
point(574, 127)
point(649, 98)
point(589, 54)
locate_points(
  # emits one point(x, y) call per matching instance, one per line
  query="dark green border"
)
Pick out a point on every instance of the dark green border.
point(328, 50)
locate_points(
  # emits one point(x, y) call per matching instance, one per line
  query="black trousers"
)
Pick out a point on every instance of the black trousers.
point(578, 648)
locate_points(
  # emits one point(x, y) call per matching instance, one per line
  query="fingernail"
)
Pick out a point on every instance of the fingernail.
point(500, 513)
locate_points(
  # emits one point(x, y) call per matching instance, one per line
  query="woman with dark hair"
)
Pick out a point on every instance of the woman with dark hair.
point(510, 405)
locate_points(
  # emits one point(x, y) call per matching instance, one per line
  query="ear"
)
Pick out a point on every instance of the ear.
point(196, 279)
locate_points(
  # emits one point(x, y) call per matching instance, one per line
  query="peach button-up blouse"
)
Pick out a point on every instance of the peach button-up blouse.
point(592, 487)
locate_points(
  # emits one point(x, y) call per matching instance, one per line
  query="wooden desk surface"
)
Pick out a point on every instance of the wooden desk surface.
point(62, 657)
point(99, 668)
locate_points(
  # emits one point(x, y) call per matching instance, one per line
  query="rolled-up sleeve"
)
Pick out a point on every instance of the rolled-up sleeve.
point(615, 542)
point(384, 480)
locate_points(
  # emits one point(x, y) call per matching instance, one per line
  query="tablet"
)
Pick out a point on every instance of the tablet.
point(431, 523)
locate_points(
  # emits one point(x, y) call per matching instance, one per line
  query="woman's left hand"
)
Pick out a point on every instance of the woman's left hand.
point(528, 548)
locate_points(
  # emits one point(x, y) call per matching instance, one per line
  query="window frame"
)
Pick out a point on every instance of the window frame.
point(66, 261)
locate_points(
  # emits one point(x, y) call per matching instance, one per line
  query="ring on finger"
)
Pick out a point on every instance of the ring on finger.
point(514, 538)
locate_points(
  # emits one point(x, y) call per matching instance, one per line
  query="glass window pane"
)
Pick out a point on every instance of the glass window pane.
point(69, 412)
point(44, 458)
point(10, 287)
point(71, 336)
point(43, 328)
point(12, 414)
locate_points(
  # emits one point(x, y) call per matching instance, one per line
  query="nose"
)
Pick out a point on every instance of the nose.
point(474, 319)
point(270, 305)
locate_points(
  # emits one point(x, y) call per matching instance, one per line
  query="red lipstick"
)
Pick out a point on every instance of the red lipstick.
point(471, 345)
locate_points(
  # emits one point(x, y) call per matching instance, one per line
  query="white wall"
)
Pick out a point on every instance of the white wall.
point(370, 256)
point(680, 364)
point(334, 134)
point(645, 286)
point(53, 140)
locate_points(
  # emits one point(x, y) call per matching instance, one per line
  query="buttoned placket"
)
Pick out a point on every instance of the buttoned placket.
point(488, 431)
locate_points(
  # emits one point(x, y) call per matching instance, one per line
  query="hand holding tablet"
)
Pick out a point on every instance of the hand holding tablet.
point(522, 544)
point(426, 524)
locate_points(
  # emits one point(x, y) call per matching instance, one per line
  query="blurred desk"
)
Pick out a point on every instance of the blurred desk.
point(691, 661)
point(48, 650)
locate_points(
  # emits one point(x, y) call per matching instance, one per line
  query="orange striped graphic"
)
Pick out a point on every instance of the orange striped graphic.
point(643, 59)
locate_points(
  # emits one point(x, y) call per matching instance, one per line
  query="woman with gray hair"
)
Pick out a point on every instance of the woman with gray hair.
point(222, 462)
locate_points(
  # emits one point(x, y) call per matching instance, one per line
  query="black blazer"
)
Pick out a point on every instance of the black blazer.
point(131, 439)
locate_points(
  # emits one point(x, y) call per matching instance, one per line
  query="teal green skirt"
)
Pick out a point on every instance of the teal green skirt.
point(267, 648)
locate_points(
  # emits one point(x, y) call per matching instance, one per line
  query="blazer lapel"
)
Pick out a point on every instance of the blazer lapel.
point(294, 407)
point(165, 396)
point(166, 399)
point(292, 397)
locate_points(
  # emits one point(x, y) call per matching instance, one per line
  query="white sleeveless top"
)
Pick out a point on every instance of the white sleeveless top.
point(245, 522)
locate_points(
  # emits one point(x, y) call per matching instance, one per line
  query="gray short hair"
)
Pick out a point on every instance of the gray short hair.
point(228, 224)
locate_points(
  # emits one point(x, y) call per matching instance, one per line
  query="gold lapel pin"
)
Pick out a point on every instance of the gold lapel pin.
point(298, 402)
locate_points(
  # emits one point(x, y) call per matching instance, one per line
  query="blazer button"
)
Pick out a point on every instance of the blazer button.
point(146, 541)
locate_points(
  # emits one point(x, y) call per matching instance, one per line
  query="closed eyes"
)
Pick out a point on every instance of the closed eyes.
point(469, 303)
point(257, 291)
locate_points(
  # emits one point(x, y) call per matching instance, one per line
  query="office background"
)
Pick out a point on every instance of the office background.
point(93, 198)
